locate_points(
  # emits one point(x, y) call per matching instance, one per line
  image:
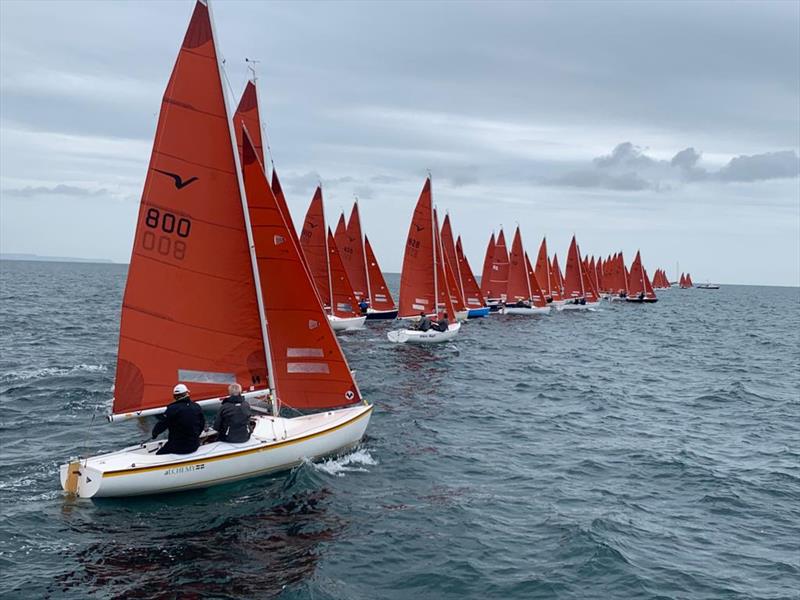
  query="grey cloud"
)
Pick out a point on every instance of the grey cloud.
point(628, 168)
point(626, 182)
point(625, 155)
point(759, 167)
point(685, 159)
point(57, 190)
point(364, 191)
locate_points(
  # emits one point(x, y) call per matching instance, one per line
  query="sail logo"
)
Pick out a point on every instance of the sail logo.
point(179, 182)
point(278, 240)
point(313, 324)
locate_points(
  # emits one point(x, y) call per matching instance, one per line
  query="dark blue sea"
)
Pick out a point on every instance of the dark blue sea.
point(629, 452)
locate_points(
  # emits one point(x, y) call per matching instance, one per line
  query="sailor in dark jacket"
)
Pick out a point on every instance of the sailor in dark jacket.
point(185, 422)
point(424, 323)
point(233, 417)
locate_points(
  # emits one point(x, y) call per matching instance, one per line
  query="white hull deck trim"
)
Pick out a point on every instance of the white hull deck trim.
point(217, 462)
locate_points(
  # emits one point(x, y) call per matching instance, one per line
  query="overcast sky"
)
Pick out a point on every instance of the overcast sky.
point(670, 127)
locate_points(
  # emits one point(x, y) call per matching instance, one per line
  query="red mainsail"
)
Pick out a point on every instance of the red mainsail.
point(418, 277)
point(190, 311)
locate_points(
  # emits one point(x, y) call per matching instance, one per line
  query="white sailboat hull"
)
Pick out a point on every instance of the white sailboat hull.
point(525, 310)
point(462, 315)
point(277, 444)
point(587, 306)
point(413, 336)
point(345, 323)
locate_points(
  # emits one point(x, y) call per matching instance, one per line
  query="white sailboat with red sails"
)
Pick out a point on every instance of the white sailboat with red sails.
point(423, 281)
point(217, 293)
point(327, 270)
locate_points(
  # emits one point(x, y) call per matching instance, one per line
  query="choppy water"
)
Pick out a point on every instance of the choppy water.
point(631, 452)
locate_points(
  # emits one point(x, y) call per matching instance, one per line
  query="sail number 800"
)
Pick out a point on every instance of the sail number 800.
point(167, 223)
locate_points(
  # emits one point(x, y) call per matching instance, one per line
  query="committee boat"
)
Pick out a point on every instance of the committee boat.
point(324, 263)
point(218, 293)
point(423, 281)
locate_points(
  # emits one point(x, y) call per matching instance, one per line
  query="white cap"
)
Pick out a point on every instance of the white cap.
point(179, 390)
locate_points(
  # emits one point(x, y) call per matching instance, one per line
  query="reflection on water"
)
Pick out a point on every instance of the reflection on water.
point(243, 553)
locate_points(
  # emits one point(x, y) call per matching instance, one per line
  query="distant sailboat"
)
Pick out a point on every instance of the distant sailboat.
point(381, 303)
point(470, 305)
point(362, 265)
point(423, 284)
point(523, 294)
point(639, 286)
point(544, 275)
point(578, 291)
point(213, 225)
point(472, 292)
point(327, 271)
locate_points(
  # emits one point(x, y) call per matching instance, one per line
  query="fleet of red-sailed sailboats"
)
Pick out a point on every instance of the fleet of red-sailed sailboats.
point(222, 290)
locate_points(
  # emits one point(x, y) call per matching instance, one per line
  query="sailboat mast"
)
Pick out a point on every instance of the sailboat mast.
point(458, 266)
point(435, 251)
point(327, 256)
point(364, 253)
point(247, 224)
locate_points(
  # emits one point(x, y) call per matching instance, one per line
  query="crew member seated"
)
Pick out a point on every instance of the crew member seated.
point(443, 324)
point(233, 417)
point(185, 422)
point(424, 323)
point(363, 305)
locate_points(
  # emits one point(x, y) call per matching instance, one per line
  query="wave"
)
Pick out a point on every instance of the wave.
point(355, 462)
point(46, 372)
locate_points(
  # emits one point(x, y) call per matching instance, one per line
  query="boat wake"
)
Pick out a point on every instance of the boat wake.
point(51, 372)
point(355, 462)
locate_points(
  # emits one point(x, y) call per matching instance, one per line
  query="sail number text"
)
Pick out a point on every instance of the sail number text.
point(413, 246)
point(162, 229)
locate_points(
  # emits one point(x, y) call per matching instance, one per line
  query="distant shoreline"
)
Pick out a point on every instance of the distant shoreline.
point(64, 259)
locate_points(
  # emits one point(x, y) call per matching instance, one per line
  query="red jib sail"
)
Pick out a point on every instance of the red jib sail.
point(353, 256)
point(247, 114)
point(589, 290)
point(499, 274)
point(486, 274)
point(344, 302)
point(380, 296)
point(417, 279)
point(543, 269)
point(449, 248)
point(444, 278)
point(472, 292)
point(314, 246)
point(309, 370)
point(689, 282)
point(538, 298)
point(573, 281)
point(340, 235)
point(558, 279)
point(518, 288)
point(190, 311)
point(649, 292)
